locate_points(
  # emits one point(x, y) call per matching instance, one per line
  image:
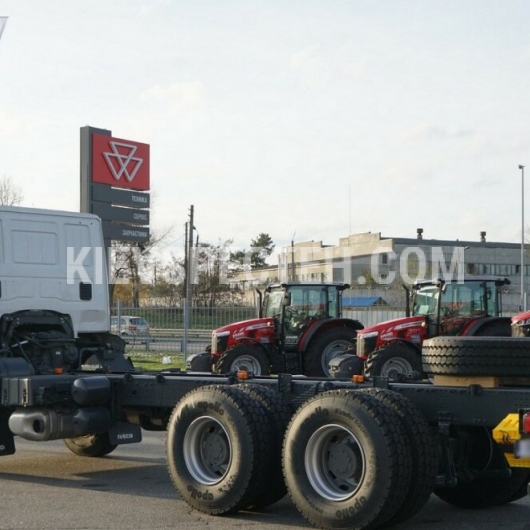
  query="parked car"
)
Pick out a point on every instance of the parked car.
point(130, 328)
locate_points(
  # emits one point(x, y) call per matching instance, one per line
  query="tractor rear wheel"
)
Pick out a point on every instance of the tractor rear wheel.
point(244, 357)
point(495, 329)
point(326, 346)
point(393, 361)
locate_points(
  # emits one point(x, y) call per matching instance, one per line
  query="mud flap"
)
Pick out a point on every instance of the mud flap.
point(7, 440)
point(125, 433)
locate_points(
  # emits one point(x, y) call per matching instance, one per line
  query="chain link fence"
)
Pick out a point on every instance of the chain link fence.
point(168, 343)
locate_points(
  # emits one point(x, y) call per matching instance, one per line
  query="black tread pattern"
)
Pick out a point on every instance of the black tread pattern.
point(313, 355)
point(224, 363)
point(392, 445)
point(254, 427)
point(279, 413)
point(487, 492)
point(378, 358)
point(477, 356)
point(423, 450)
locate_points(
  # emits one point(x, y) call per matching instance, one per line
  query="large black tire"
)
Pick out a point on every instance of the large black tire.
point(487, 492)
point(324, 347)
point(523, 489)
point(476, 457)
point(423, 450)
point(394, 361)
point(477, 356)
point(247, 357)
point(218, 449)
point(495, 329)
point(279, 413)
point(346, 460)
point(93, 445)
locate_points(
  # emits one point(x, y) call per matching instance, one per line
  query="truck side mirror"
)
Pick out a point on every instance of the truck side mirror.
point(287, 299)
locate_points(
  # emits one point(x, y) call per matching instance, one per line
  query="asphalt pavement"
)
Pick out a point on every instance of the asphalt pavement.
point(45, 487)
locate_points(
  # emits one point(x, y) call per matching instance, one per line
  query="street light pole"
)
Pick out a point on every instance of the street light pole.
point(522, 237)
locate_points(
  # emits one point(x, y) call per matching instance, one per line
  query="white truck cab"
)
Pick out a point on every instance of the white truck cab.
point(54, 261)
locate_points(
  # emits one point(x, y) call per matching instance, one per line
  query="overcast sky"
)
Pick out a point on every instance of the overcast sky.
point(312, 119)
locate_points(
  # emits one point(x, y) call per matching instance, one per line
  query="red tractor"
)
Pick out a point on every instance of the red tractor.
point(299, 330)
point(469, 307)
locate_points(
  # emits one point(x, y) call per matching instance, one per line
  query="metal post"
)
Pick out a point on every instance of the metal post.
point(189, 268)
point(522, 238)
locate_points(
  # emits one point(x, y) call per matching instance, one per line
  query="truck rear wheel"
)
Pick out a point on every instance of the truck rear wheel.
point(486, 492)
point(279, 413)
point(484, 477)
point(329, 344)
point(218, 449)
point(346, 460)
point(423, 450)
point(91, 445)
point(244, 357)
point(474, 356)
point(393, 361)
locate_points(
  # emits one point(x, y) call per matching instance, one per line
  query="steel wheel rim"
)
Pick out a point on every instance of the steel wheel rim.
point(207, 450)
point(248, 363)
point(396, 366)
point(332, 350)
point(334, 462)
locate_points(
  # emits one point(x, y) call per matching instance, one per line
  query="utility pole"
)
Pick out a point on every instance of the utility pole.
point(188, 270)
point(293, 263)
point(522, 238)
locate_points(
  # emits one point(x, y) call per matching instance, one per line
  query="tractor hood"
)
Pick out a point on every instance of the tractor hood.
point(521, 318)
point(396, 324)
point(255, 330)
point(244, 326)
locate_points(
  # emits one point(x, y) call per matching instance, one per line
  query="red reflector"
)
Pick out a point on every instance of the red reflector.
point(526, 423)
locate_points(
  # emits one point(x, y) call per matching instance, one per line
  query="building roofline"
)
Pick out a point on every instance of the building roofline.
point(413, 241)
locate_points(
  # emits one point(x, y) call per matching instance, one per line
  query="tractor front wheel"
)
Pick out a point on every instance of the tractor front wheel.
point(393, 361)
point(244, 357)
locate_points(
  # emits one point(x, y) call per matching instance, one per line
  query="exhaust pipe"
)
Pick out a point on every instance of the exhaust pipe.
point(40, 424)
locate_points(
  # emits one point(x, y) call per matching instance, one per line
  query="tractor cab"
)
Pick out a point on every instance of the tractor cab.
point(299, 330)
point(434, 307)
point(296, 306)
point(449, 308)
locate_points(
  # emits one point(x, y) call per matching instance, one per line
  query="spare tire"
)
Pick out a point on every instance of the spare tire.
point(477, 356)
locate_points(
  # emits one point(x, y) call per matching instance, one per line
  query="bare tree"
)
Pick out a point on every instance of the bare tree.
point(10, 193)
point(131, 262)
